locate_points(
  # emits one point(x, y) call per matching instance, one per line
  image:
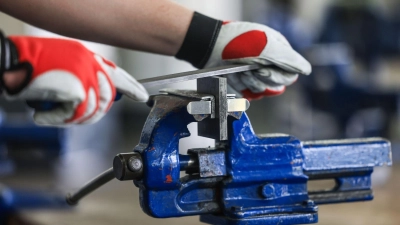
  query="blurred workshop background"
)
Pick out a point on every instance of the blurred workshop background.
point(354, 91)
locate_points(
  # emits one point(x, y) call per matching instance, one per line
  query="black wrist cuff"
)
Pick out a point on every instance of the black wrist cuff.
point(3, 53)
point(200, 40)
point(9, 62)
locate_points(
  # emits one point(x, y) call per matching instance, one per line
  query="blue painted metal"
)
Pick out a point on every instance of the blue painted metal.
point(253, 179)
point(212, 163)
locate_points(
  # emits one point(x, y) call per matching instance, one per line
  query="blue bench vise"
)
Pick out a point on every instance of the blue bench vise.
point(246, 178)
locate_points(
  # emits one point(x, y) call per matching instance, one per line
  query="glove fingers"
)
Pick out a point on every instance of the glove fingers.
point(107, 66)
point(60, 86)
point(54, 85)
point(56, 117)
point(129, 86)
point(270, 80)
point(235, 85)
point(268, 92)
point(277, 51)
point(283, 56)
point(235, 82)
point(105, 100)
point(292, 63)
point(257, 86)
point(124, 82)
point(94, 108)
point(275, 76)
point(255, 43)
point(282, 39)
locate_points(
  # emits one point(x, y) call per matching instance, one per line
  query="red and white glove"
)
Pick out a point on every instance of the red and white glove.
point(211, 43)
point(65, 71)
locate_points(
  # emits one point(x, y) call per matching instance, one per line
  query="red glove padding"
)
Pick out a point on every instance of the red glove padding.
point(65, 71)
point(251, 43)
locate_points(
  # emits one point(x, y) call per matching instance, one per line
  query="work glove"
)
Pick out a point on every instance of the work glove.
point(83, 84)
point(212, 43)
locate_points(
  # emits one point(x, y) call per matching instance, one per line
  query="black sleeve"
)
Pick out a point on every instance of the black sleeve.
point(200, 40)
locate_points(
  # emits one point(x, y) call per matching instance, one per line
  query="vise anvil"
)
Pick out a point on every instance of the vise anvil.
point(246, 178)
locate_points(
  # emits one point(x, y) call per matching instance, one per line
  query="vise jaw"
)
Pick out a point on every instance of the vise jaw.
point(246, 178)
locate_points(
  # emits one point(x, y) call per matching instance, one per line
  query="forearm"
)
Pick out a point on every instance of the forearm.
point(157, 26)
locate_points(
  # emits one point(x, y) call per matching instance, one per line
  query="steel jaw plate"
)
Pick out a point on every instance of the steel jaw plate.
point(213, 107)
point(205, 107)
point(223, 105)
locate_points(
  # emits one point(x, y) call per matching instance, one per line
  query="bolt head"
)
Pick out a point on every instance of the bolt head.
point(135, 164)
point(309, 203)
point(268, 191)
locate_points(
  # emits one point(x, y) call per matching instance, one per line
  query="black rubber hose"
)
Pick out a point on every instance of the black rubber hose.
point(105, 177)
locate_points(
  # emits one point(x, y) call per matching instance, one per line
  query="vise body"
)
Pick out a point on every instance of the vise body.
point(246, 178)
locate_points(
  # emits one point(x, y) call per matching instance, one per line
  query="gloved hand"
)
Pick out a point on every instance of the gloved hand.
point(211, 43)
point(64, 71)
